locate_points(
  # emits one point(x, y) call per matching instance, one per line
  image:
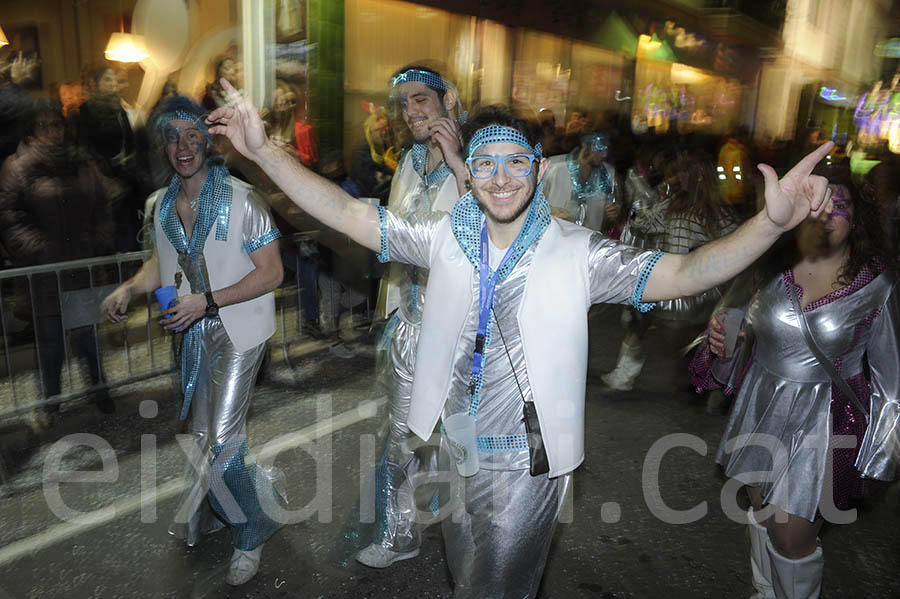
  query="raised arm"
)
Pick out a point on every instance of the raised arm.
point(321, 199)
point(788, 202)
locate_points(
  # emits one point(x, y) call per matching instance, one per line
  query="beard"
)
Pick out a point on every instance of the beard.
point(516, 212)
point(425, 136)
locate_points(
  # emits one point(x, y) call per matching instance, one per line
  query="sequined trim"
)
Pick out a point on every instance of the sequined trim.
point(382, 224)
point(184, 115)
point(430, 79)
point(466, 220)
point(638, 294)
point(264, 239)
point(419, 159)
point(502, 444)
point(252, 492)
point(865, 276)
point(213, 208)
point(496, 134)
point(191, 347)
point(597, 181)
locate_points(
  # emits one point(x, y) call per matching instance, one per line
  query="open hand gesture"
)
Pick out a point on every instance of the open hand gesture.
point(799, 193)
point(239, 122)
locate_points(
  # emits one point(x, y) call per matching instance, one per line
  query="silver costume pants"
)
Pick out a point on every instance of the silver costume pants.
point(403, 469)
point(499, 532)
point(216, 466)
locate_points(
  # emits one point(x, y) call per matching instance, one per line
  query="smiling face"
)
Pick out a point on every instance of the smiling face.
point(420, 105)
point(828, 233)
point(185, 148)
point(504, 198)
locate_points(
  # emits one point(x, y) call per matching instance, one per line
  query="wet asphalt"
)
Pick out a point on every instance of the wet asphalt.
point(319, 418)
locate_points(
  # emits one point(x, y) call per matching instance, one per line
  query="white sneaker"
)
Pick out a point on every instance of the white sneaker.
point(244, 565)
point(342, 351)
point(376, 556)
point(617, 380)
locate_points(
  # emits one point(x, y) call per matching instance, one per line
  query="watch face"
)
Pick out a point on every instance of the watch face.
point(212, 310)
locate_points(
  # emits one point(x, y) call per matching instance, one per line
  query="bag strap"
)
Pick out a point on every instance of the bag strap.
point(823, 360)
point(508, 357)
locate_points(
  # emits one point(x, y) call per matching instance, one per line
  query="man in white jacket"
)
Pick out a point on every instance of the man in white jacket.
point(487, 354)
point(213, 242)
point(426, 181)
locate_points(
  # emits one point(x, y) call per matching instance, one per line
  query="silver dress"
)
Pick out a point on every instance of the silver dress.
point(502, 519)
point(218, 479)
point(790, 410)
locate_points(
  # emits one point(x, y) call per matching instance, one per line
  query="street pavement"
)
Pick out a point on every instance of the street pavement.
point(320, 418)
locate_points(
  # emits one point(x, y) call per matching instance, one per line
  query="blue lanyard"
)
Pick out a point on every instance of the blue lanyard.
point(488, 281)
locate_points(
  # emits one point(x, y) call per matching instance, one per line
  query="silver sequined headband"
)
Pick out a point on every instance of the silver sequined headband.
point(496, 134)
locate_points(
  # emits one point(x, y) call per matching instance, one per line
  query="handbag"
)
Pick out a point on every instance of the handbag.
point(822, 358)
point(537, 453)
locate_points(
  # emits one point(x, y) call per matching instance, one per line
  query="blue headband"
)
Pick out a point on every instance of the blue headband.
point(183, 115)
point(432, 80)
point(428, 78)
point(598, 141)
point(497, 134)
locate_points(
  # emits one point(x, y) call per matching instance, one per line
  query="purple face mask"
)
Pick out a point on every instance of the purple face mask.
point(842, 203)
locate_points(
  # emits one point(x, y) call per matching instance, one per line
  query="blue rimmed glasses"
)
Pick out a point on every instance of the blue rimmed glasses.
point(515, 165)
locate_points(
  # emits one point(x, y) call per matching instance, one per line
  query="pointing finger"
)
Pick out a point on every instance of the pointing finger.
point(809, 162)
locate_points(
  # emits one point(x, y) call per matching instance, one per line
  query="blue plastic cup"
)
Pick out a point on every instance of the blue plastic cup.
point(167, 297)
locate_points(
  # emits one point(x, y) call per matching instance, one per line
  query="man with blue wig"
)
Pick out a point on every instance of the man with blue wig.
point(504, 331)
point(427, 180)
point(581, 186)
point(213, 242)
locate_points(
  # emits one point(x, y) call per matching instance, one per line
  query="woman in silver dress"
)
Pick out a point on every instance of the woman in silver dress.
point(797, 436)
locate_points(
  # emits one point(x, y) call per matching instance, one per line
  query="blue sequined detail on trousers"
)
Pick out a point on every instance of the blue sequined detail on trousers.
point(238, 493)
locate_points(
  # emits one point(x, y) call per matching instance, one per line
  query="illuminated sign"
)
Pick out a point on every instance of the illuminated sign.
point(831, 94)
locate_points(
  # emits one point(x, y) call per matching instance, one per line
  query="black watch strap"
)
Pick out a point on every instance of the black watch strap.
point(212, 308)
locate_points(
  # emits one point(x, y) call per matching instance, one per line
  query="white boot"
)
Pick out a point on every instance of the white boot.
point(244, 565)
point(797, 578)
point(628, 367)
point(760, 563)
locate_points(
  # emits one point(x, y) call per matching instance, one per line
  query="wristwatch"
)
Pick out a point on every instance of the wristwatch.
point(212, 308)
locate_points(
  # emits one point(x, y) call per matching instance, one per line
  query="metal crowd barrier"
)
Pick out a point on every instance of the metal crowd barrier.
point(127, 353)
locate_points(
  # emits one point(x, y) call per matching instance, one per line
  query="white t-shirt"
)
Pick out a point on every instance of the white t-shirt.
point(496, 254)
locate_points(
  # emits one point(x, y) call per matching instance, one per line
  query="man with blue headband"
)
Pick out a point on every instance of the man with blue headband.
point(427, 180)
point(504, 332)
point(213, 242)
point(582, 186)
